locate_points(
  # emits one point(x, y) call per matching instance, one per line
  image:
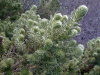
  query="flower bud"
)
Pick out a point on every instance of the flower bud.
point(22, 31)
point(73, 42)
point(27, 12)
point(60, 53)
point(3, 64)
point(39, 54)
point(38, 16)
point(48, 42)
point(9, 61)
point(98, 40)
point(44, 22)
point(28, 57)
point(42, 31)
point(78, 28)
point(24, 16)
point(57, 24)
point(21, 37)
point(36, 28)
point(35, 23)
point(79, 50)
point(57, 16)
point(81, 47)
point(74, 32)
point(97, 69)
point(79, 13)
point(95, 54)
point(34, 7)
point(64, 18)
point(30, 22)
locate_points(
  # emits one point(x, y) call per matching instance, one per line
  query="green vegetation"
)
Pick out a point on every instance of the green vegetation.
point(10, 8)
point(48, 8)
point(33, 45)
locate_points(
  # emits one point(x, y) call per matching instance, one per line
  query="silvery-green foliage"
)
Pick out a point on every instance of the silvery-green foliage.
point(89, 63)
point(4, 43)
point(31, 29)
point(7, 27)
point(44, 40)
point(46, 47)
point(95, 70)
point(6, 63)
point(5, 66)
point(10, 9)
point(48, 8)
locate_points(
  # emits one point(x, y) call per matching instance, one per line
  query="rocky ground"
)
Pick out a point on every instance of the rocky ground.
point(90, 23)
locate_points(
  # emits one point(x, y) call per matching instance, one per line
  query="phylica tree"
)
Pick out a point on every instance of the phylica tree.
point(10, 8)
point(45, 47)
point(89, 63)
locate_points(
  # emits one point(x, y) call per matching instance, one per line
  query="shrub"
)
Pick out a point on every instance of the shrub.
point(10, 8)
point(48, 8)
point(46, 47)
point(7, 28)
